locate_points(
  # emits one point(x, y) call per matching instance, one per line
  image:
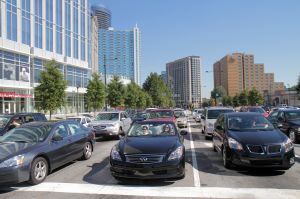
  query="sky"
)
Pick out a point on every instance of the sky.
point(211, 29)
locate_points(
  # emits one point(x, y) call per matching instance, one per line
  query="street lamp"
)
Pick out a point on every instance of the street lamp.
point(105, 80)
point(77, 100)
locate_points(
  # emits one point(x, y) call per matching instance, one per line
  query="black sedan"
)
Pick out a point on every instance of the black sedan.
point(249, 139)
point(288, 121)
point(150, 150)
point(31, 151)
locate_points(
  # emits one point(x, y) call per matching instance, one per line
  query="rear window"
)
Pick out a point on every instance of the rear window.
point(214, 114)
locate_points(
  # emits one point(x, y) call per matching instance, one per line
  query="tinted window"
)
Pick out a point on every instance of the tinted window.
point(107, 116)
point(152, 129)
point(3, 121)
point(27, 134)
point(213, 114)
point(179, 114)
point(61, 130)
point(161, 114)
point(248, 122)
point(293, 115)
point(28, 118)
point(273, 115)
point(74, 128)
point(256, 110)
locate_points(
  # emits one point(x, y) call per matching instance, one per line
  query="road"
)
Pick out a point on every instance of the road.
point(205, 178)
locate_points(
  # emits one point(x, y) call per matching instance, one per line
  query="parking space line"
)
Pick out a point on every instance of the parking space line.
point(171, 192)
point(194, 160)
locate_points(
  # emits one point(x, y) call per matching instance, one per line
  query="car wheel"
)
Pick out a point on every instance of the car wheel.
point(292, 136)
point(38, 171)
point(226, 162)
point(87, 151)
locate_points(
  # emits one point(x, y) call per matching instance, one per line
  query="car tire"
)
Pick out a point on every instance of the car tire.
point(39, 171)
point(292, 136)
point(87, 151)
point(226, 163)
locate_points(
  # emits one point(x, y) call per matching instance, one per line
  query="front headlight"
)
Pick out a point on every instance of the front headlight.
point(233, 144)
point(115, 155)
point(288, 145)
point(177, 154)
point(14, 161)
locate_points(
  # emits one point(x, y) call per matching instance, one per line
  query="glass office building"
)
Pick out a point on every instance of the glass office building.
point(119, 54)
point(33, 32)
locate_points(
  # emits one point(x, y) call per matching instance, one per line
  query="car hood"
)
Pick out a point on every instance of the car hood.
point(103, 122)
point(258, 137)
point(181, 119)
point(10, 149)
point(148, 145)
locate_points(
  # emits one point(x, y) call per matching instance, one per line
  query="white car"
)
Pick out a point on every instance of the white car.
point(210, 116)
point(81, 119)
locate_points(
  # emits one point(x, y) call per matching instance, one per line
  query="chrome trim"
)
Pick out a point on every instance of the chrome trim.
point(144, 158)
point(255, 152)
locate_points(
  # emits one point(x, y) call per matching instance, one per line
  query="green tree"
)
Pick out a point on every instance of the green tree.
point(298, 87)
point(243, 98)
point(149, 101)
point(227, 101)
point(132, 95)
point(115, 92)
point(255, 98)
point(218, 92)
point(50, 93)
point(95, 93)
point(158, 90)
point(205, 104)
point(236, 101)
point(142, 99)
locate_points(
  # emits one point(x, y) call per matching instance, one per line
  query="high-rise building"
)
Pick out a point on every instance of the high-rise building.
point(184, 80)
point(119, 54)
point(164, 76)
point(103, 16)
point(238, 72)
point(32, 32)
point(94, 44)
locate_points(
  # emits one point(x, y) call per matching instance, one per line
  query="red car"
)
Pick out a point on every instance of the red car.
point(162, 115)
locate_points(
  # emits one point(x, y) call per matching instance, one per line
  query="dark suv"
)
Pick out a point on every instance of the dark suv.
point(288, 121)
point(7, 121)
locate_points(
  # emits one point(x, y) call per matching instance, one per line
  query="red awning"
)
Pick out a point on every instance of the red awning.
point(15, 95)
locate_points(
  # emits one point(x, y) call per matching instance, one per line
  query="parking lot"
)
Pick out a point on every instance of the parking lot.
point(205, 177)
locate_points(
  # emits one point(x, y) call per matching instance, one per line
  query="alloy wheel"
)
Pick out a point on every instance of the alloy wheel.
point(292, 136)
point(87, 150)
point(40, 170)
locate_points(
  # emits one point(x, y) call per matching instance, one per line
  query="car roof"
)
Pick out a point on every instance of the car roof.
point(218, 108)
point(242, 113)
point(112, 112)
point(77, 117)
point(42, 123)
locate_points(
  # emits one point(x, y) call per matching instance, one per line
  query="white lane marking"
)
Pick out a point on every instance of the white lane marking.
point(194, 161)
point(181, 192)
point(207, 144)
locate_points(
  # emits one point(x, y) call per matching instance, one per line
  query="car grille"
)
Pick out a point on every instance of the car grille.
point(99, 127)
point(144, 158)
point(274, 149)
point(259, 149)
point(255, 148)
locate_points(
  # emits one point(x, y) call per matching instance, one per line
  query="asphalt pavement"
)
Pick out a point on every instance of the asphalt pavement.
point(205, 178)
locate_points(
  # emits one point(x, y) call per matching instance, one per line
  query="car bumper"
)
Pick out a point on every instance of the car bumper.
point(105, 133)
point(14, 175)
point(279, 161)
point(147, 171)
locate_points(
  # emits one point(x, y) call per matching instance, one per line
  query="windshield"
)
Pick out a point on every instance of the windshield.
point(107, 116)
point(161, 114)
point(152, 129)
point(249, 122)
point(256, 110)
point(3, 121)
point(140, 115)
point(293, 115)
point(179, 114)
point(27, 134)
point(214, 114)
point(74, 119)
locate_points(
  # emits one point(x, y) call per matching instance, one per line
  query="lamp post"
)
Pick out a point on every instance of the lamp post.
point(105, 74)
point(77, 100)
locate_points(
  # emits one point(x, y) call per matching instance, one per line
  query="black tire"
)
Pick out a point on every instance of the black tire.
point(226, 162)
point(119, 136)
point(87, 151)
point(38, 171)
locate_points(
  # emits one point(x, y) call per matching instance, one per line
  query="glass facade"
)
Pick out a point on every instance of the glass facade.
point(75, 29)
point(59, 29)
point(82, 29)
point(49, 25)
point(119, 52)
point(68, 28)
point(11, 19)
point(26, 22)
point(38, 23)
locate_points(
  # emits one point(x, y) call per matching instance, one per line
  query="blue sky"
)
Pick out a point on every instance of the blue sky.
point(172, 29)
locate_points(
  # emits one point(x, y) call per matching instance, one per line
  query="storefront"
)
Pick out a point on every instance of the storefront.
point(12, 102)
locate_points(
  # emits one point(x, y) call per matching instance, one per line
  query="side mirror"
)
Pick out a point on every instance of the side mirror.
point(183, 132)
point(57, 138)
point(220, 128)
point(123, 118)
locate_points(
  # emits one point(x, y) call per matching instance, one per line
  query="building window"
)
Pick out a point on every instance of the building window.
point(82, 30)
point(68, 28)
point(26, 22)
point(11, 19)
point(59, 27)
point(75, 29)
point(49, 25)
point(38, 29)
